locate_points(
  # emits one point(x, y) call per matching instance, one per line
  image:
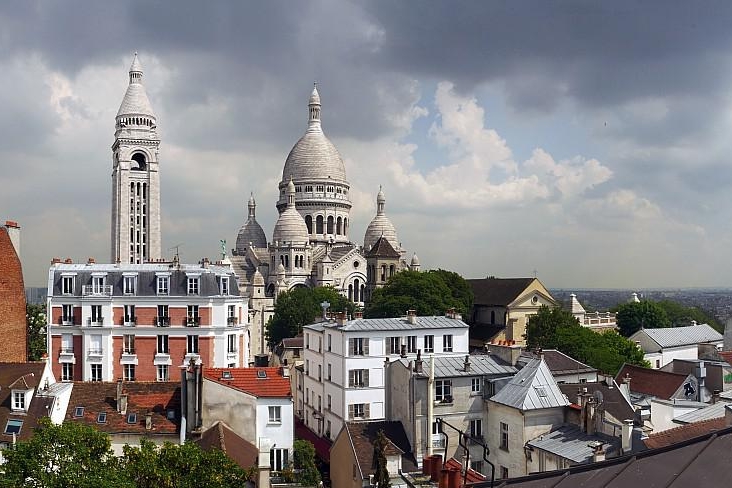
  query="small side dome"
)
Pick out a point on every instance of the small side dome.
point(251, 231)
point(290, 226)
point(415, 260)
point(380, 226)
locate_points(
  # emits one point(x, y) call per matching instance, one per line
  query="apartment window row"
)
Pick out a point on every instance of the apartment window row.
point(358, 378)
point(358, 346)
point(358, 411)
point(129, 315)
point(128, 372)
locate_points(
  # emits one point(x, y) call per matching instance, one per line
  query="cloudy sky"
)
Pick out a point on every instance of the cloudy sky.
point(589, 142)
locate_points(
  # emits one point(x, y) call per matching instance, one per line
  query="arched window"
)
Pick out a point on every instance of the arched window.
point(350, 292)
point(345, 226)
point(330, 224)
point(363, 297)
point(391, 270)
point(319, 224)
point(383, 272)
point(355, 290)
point(138, 162)
point(309, 223)
point(287, 261)
point(339, 223)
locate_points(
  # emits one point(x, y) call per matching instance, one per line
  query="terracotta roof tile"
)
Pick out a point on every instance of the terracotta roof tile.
point(11, 373)
point(473, 476)
point(261, 382)
point(142, 397)
point(654, 382)
point(220, 436)
point(363, 436)
point(684, 433)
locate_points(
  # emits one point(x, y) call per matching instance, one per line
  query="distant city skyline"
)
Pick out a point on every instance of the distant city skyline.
point(587, 142)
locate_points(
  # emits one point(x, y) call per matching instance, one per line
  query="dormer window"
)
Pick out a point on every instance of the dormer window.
point(13, 426)
point(78, 412)
point(67, 285)
point(224, 285)
point(193, 282)
point(163, 285)
point(129, 285)
point(19, 400)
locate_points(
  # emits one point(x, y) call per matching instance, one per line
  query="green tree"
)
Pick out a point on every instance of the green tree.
point(67, 455)
point(186, 466)
point(381, 476)
point(680, 315)
point(304, 460)
point(429, 293)
point(301, 306)
point(541, 331)
point(35, 319)
point(634, 315)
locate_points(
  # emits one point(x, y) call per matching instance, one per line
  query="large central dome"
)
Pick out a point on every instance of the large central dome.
point(314, 157)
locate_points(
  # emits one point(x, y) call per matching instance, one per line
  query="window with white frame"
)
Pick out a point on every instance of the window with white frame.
point(95, 344)
point(192, 344)
point(192, 317)
point(163, 285)
point(163, 344)
point(275, 414)
point(330, 343)
point(475, 385)
point(128, 343)
point(412, 344)
point(443, 391)
point(67, 343)
point(130, 318)
point(504, 436)
point(447, 343)
point(358, 378)
point(98, 284)
point(67, 314)
point(358, 411)
point(96, 372)
point(129, 285)
point(224, 285)
point(193, 282)
point(394, 345)
point(278, 459)
point(67, 285)
point(67, 372)
point(96, 315)
point(13, 426)
point(330, 371)
point(18, 400)
point(231, 318)
point(330, 402)
point(476, 428)
point(128, 372)
point(162, 372)
point(358, 346)
point(429, 343)
point(231, 343)
point(163, 317)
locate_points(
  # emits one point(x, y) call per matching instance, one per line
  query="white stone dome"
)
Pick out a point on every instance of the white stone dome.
point(380, 225)
point(290, 226)
point(251, 231)
point(314, 157)
point(415, 260)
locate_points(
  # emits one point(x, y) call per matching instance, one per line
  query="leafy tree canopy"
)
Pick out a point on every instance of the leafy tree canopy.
point(301, 306)
point(35, 318)
point(634, 315)
point(558, 329)
point(304, 460)
point(73, 455)
point(681, 316)
point(429, 293)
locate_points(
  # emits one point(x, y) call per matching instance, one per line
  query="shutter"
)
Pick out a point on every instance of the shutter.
point(350, 347)
point(351, 374)
point(350, 411)
point(366, 347)
point(366, 410)
point(365, 377)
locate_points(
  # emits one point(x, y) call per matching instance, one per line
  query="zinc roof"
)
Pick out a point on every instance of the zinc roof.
point(681, 336)
point(483, 364)
point(571, 443)
point(532, 388)
point(713, 411)
point(429, 322)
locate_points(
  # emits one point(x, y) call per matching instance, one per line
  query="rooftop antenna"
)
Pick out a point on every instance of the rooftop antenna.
point(176, 256)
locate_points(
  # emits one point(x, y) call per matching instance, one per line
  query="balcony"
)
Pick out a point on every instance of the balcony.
point(96, 290)
point(128, 356)
point(67, 320)
point(95, 322)
point(129, 321)
point(232, 320)
point(193, 321)
point(162, 321)
point(66, 355)
point(95, 351)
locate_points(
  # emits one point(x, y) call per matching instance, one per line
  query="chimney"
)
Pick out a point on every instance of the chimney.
point(627, 436)
point(119, 391)
point(403, 351)
point(358, 314)
point(412, 316)
point(598, 453)
point(14, 233)
point(55, 261)
point(418, 363)
point(715, 396)
point(450, 313)
point(341, 319)
point(121, 398)
point(625, 386)
point(148, 421)
point(466, 364)
point(68, 261)
point(285, 372)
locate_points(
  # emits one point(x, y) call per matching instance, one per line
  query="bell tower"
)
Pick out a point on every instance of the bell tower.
point(135, 177)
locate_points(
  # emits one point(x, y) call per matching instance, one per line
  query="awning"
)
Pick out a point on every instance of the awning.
point(321, 444)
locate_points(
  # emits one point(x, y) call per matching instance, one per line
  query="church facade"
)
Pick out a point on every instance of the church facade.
point(311, 243)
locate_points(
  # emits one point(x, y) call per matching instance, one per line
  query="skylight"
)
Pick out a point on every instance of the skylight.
point(102, 418)
point(79, 412)
point(540, 391)
point(171, 414)
point(261, 373)
point(132, 418)
point(13, 426)
point(226, 375)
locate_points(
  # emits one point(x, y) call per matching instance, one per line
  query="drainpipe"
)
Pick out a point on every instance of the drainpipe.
point(430, 404)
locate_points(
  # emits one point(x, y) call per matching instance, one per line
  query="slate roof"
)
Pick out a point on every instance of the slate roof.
point(146, 278)
point(156, 397)
point(560, 363)
point(653, 382)
point(481, 364)
point(293, 342)
point(363, 435)
point(427, 322)
point(681, 336)
point(220, 436)
point(261, 382)
point(569, 442)
point(11, 373)
point(683, 433)
point(708, 412)
point(701, 461)
point(498, 291)
point(382, 249)
point(532, 388)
